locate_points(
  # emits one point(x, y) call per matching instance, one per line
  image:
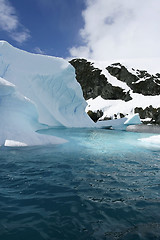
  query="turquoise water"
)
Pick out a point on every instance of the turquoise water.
point(102, 184)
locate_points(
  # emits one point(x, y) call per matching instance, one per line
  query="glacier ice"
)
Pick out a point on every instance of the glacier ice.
point(134, 119)
point(19, 119)
point(47, 81)
point(36, 92)
point(121, 123)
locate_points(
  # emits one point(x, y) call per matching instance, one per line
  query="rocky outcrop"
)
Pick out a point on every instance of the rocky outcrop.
point(149, 112)
point(94, 83)
point(139, 81)
point(95, 115)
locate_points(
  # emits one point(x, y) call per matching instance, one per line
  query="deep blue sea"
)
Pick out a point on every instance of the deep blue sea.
point(101, 185)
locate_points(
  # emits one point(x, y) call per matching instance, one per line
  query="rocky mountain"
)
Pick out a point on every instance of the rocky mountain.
point(140, 81)
point(94, 83)
point(116, 90)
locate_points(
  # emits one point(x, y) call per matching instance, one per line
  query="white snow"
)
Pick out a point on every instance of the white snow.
point(151, 65)
point(146, 119)
point(110, 78)
point(111, 107)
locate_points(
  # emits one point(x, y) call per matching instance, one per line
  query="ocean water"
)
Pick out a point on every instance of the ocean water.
point(101, 185)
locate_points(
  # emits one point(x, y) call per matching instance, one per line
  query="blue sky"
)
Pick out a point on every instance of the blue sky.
point(93, 29)
point(51, 26)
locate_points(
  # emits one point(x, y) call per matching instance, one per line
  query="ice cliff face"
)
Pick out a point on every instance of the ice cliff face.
point(19, 119)
point(47, 81)
point(114, 90)
point(37, 91)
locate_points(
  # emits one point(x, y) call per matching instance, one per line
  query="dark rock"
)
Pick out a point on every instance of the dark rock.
point(121, 73)
point(156, 117)
point(157, 75)
point(107, 118)
point(149, 112)
point(95, 115)
point(127, 97)
point(141, 82)
point(147, 87)
point(121, 115)
point(94, 83)
point(142, 74)
point(141, 112)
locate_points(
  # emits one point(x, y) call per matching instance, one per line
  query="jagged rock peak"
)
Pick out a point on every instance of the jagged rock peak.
point(94, 83)
point(140, 81)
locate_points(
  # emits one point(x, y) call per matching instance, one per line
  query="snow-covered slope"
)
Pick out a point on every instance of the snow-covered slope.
point(117, 88)
point(151, 65)
point(49, 82)
point(115, 108)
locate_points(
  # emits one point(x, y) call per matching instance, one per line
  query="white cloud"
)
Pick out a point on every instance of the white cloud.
point(8, 19)
point(120, 29)
point(9, 22)
point(38, 50)
point(20, 37)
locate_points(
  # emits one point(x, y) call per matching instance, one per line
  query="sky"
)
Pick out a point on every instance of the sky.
point(93, 29)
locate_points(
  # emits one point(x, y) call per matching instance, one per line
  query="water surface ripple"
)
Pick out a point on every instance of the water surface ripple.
point(102, 184)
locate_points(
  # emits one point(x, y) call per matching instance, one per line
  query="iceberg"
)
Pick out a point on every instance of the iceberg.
point(119, 124)
point(19, 119)
point(47, 81)
point(37, 92)
point(152, 142)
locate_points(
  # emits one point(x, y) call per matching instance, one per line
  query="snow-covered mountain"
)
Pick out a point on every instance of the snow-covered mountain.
point(37, 90)
point(118, 88)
